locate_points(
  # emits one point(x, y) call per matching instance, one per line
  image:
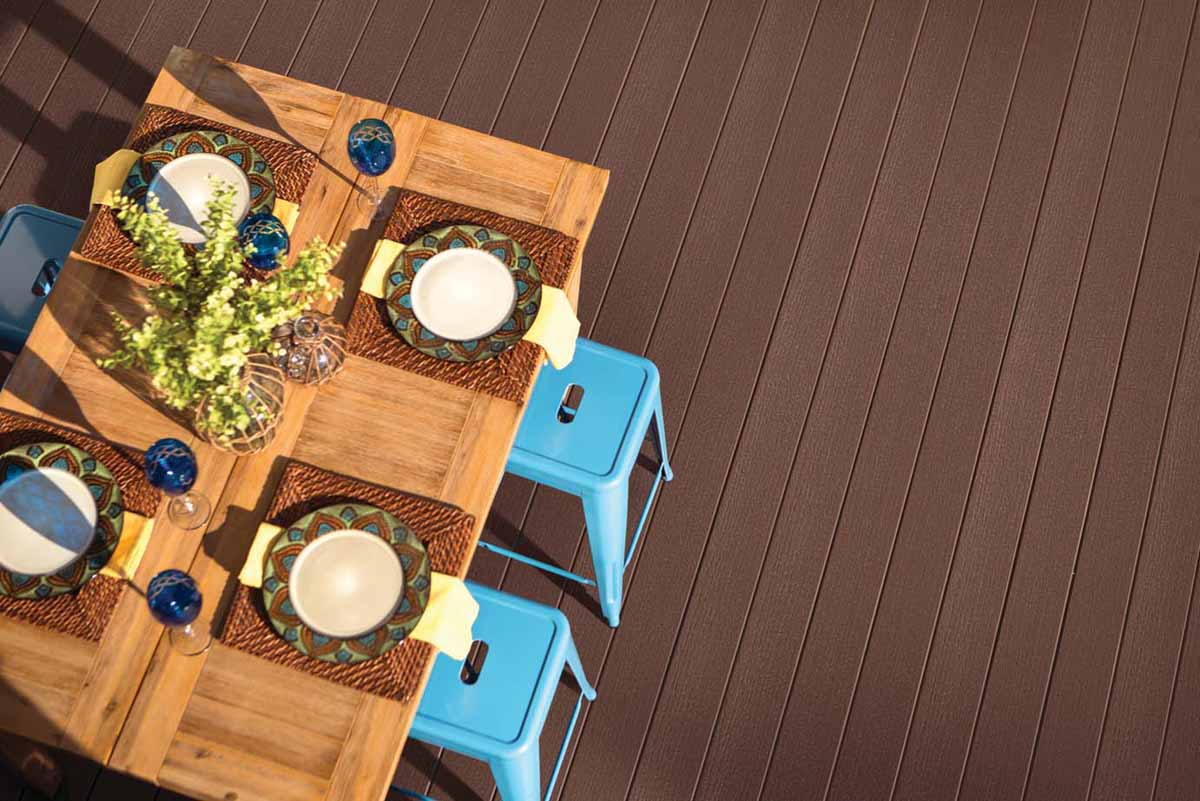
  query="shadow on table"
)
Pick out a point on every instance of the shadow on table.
point(25, 763)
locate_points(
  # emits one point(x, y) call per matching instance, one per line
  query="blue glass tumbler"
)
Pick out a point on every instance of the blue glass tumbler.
point(372, 149)
point(270, 239)
point(171, 467)
point(175, 601)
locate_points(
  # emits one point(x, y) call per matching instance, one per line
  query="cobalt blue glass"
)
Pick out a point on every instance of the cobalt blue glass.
point(175, 601)
point(171, 467)
point(372, 149)
point(270, 239)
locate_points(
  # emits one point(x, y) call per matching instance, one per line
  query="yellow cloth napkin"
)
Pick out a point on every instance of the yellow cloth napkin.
point(446, 624)
point(555, 328)
point(110, 174)
point(135, 536)
point(287, 212)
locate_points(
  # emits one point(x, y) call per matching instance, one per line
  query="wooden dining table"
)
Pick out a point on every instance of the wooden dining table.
point(226, 725)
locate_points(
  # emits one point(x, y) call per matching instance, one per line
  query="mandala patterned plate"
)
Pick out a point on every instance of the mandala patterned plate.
point(258, 172)
point(110, 515)
point(505, 248)
point(291, 541)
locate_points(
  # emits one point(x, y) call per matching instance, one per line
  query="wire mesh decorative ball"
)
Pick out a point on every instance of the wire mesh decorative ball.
point(262, 383)
point(311, 348)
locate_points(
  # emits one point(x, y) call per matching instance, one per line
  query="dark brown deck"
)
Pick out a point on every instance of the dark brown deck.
point(919, 278)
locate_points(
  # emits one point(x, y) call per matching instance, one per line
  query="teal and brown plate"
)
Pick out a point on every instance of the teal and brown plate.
point(110, 515)
point(364, 517)
point(258, 172)
point(414, 256)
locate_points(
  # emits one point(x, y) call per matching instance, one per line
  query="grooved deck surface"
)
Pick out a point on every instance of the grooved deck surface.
point(919, 276)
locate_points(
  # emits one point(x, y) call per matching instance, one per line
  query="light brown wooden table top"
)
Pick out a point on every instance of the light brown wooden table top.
point(226, 725)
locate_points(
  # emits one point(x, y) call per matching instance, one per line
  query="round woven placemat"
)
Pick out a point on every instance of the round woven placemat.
point(292, 166)
point(86, 613)
point(509, 375)
point(445, 530)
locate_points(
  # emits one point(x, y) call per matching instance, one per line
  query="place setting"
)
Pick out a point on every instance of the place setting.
point(75, 519)
point(465, 296)
point(178, 159)
point(351, 582)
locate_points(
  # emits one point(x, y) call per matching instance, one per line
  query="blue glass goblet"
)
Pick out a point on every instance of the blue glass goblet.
point(175, 601)
point(372, 149)
point(171, 467)
point(270, 239)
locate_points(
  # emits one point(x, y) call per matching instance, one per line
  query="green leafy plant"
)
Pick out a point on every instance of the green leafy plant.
point(207, 318)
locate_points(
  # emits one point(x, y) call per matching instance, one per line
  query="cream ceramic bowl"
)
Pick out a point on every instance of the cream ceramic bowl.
point(463, 294)
point(47, 521)
point(183, 187)
point(346, 583)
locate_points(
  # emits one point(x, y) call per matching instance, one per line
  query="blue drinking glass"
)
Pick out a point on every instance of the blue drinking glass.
point(372, 149)
point(270, 239)
point(171, 467)
point(175, 601)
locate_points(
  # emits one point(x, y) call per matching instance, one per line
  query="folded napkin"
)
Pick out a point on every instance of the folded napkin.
point(555, 328)
point(135, 536)
point(446, 624)
point(110, 176)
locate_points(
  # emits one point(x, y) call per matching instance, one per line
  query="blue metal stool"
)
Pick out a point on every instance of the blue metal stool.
point(589, 450)
point(496, 714)
point(34, 245)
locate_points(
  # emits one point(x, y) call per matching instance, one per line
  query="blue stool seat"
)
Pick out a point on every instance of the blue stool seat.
point(589, 449)
point(34, 245)
point(497, 714)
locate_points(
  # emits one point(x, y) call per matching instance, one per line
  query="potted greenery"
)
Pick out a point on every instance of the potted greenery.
point(206, 344)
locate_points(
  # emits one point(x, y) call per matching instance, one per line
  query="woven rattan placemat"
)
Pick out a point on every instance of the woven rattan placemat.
point(292, 166)
point(508, 375)
point(445, 530)
point(84, 614)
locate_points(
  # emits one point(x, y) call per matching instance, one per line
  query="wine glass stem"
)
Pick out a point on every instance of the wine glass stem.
point(189, 640)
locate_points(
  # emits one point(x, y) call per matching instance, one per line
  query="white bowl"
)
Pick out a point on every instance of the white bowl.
point(463, 294)
point(183, 187)
point(47, 521)
point(346, 583)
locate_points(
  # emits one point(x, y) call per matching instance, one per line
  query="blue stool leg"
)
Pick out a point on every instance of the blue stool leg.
point(606, 514)
point(518, 778)
point(660, 439)
point(576, 665)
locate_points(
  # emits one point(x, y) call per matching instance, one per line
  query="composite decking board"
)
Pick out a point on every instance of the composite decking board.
point(226, 27)
point(838, 533)
point(487, 71)
point(384, 49)
point(326, 50)
point(42, 162)
point(1034, 642)
point(545, 71)
point(988, 535)
point(444, 41)
point(1174, 509)
point(891, 675)
point(34, 68)
point(277, 34)
point(1139, 690)
point(15, 18)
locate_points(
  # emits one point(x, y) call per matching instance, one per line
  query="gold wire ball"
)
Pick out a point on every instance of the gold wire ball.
point(262, 383)
point(310, 349)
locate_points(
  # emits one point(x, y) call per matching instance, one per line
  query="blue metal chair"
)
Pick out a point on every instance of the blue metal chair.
point(34, 245)
point(589, 449)
point(496, 713)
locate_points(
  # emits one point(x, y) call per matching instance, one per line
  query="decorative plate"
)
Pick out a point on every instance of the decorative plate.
point(258, 172)
point(110, 516)
point(505, 248)
point(291, 541)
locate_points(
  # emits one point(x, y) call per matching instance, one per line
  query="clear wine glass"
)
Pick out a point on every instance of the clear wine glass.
point(175, 601)
point(171, 467)
point(372, 149)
